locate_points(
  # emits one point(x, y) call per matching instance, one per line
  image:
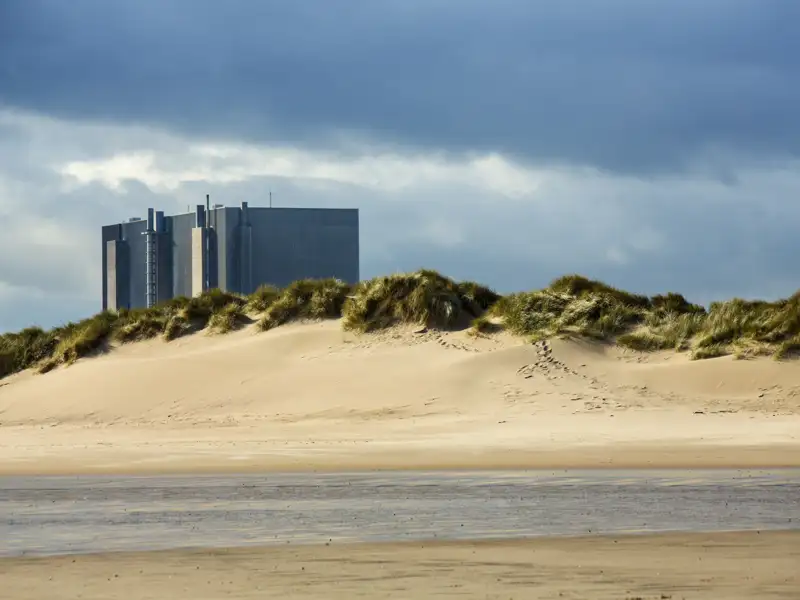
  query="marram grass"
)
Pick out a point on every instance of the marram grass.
point(423, 298)
point(571, 305)
point(305, 299)
point(228, 318)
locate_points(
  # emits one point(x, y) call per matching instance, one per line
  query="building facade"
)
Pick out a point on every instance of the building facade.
point(148, 261)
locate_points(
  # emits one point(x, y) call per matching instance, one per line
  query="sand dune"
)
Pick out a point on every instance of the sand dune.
point(312, 396)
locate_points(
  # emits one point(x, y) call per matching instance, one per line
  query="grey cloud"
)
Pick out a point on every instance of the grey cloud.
point(49, 252)
point(715, 242)
point(706, 239)
point(53, 245)
point(626, 85)
point(20, 309)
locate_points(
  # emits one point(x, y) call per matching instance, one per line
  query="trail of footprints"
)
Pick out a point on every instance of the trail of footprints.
point(552, 369)
point(403, 338)
point(442, 341)
point(546, 364)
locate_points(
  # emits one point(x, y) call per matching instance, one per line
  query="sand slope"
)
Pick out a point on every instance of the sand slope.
point(312, 396)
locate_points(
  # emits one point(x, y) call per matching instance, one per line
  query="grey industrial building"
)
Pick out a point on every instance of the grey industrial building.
point(147, 261)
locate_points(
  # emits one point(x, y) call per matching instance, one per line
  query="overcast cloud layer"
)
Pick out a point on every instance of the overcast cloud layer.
point(654, 144)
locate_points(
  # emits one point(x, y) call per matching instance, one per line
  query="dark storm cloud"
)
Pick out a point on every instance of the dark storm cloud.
point(627, 85)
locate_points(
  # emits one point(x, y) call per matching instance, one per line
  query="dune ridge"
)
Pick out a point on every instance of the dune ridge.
point(571, 305)
point(313, 395)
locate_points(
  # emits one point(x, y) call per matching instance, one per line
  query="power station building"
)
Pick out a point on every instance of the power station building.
point(148, 261)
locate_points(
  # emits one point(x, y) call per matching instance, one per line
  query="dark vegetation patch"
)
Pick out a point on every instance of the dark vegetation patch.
point(570, 305)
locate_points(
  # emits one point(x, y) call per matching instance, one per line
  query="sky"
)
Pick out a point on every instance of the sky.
point(654, 145)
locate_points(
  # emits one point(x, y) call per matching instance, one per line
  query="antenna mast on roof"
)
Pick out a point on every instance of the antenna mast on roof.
point(270, 198)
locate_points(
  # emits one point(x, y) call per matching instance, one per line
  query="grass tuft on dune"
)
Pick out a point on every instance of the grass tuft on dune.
point(572, 305)
point(229, 318)
point(423, 298)
point(305, 299)
point(264, 297)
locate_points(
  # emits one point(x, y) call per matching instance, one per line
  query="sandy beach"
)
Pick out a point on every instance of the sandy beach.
point(310, 396)
point(692, 566)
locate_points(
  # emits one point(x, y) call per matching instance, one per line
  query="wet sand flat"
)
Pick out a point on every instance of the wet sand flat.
point(70, 515)
point(732, 566)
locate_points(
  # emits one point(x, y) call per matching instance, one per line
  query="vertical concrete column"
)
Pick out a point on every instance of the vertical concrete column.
point(246, 260)
point(112, 302)
point(245, 252)
point(163, 259)
point(199, 263)
point(117, 276)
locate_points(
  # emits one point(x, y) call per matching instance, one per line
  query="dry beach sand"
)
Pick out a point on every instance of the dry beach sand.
point(310, 396)
point(729, 566)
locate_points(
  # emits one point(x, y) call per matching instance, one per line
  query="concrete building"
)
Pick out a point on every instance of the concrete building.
point(147, 261)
